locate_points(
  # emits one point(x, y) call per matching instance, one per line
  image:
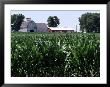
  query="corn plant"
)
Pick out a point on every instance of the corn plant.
point(55, 55)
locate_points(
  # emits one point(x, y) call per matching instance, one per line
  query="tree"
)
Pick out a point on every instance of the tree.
point(16, 21)
point(53, 21)
point(90, 22)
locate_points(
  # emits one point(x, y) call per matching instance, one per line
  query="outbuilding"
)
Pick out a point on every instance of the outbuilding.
point(31, 26)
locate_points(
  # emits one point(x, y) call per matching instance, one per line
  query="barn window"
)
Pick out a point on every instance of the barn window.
point(31, 30)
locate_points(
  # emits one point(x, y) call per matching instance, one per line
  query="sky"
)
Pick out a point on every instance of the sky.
point(67, 18)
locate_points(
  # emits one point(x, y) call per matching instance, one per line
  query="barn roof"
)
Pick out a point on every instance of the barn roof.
point(41, 27)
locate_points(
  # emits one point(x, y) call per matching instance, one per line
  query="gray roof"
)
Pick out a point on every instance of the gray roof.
point(41, 27)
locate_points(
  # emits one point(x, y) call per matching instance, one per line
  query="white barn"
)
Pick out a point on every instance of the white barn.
point(31, 26)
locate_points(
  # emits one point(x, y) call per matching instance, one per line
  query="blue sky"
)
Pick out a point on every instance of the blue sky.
point(67, 18)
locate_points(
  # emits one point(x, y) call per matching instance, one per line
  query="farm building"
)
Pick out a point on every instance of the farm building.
point(31, 26)
point(52, 29)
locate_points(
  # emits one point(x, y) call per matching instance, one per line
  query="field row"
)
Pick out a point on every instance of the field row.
point(55, 55)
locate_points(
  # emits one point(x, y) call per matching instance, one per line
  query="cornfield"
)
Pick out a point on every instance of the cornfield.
point(55, 55)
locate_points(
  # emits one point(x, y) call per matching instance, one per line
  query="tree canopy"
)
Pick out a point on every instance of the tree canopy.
point(16, 21)
point(53, 21)
point(90, 22)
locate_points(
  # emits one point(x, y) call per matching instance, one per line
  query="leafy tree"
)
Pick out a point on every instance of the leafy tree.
point(90, 22)
point(53, 21)
point(16, 21)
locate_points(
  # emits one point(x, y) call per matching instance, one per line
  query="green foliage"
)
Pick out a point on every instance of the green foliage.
point(55, 55)
point(53, 21)
point(90, 22)
point(16, 21)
